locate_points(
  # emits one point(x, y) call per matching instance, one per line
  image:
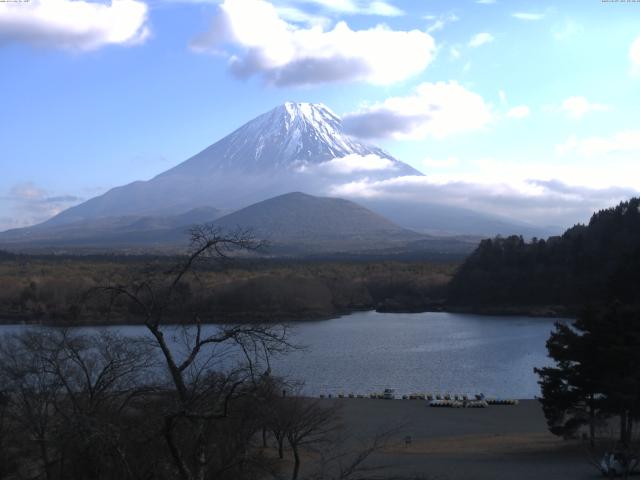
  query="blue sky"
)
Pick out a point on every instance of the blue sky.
point(524, 109)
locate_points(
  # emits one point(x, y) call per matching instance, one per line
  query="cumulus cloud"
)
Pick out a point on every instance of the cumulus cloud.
point(528, 16)
point(27, 204)
point(577, 107)
point(73, 24)
point(620, 143)
point(521, 111)
point(262, 43)
point(634, 56)
point(432, 110)
point(480, 39)
point(351, 164)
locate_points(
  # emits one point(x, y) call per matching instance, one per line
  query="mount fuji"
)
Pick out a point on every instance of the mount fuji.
point(296, 147)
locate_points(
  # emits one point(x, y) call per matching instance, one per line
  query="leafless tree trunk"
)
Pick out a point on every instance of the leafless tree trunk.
point(200, 397)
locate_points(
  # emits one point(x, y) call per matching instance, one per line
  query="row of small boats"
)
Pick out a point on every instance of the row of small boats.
point(435, 400)
point(459, 404)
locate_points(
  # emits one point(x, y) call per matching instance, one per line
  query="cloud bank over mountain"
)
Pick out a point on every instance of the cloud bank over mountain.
point(431, 110)
point(541, 202)
point(33, 204)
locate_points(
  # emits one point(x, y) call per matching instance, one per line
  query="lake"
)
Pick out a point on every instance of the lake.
point(434, 352)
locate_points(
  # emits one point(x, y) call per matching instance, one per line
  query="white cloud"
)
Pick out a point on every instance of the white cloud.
point(634, 56)
point(454, 53)
point(528, 16)
point(382, 8)
point(577, 107)
point(288, 55)
point(74, 24)
point(433, 110)
point(27, 204)
point(480, 39)
point(622, 142)
point(508, 189)
point(521, 111)
point(486, 2)
point(295, 15)
point(350, 164)
point(357, 7)
point(441, 21)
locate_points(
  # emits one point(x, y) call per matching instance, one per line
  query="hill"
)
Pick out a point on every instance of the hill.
point(301, 224)
point(110, 232)
point(298, 219)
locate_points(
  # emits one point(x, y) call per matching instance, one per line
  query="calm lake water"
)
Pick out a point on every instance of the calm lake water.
point(366, 352)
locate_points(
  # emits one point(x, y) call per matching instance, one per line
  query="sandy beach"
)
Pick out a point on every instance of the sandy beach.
point(498, 442)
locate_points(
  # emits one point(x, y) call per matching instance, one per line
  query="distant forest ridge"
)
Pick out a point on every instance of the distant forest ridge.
point(588, 265)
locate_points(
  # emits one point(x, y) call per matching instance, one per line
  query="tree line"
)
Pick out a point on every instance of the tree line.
point(588, 264)
point(49, 290)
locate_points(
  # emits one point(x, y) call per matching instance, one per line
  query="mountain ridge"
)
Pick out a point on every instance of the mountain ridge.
point(293, 147)
point(292, 225)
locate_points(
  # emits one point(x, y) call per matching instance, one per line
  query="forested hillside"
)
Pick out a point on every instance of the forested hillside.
point(588, 264)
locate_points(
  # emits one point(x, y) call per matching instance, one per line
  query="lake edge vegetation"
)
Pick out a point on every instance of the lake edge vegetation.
point(76, 405)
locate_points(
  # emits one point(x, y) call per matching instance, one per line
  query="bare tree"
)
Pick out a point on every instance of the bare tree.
point(309, 425)
point(348, 458)
point(32, 393)
point(63, 396)
point(7, 464)
point(188, 400)
point(209, 369)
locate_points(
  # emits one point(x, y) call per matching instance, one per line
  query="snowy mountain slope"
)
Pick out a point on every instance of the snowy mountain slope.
point(296, 146)
point(288, 138)
point(112, 230)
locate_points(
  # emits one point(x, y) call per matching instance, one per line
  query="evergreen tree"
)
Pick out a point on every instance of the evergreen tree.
point(597, 373)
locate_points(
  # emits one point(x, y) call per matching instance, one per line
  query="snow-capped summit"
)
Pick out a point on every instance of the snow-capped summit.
point(294, 147)
point(290, 136)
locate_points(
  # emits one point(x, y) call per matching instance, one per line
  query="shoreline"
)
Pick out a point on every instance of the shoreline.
point(501, 311)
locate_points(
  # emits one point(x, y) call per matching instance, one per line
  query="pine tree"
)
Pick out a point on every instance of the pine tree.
point(597, 373)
